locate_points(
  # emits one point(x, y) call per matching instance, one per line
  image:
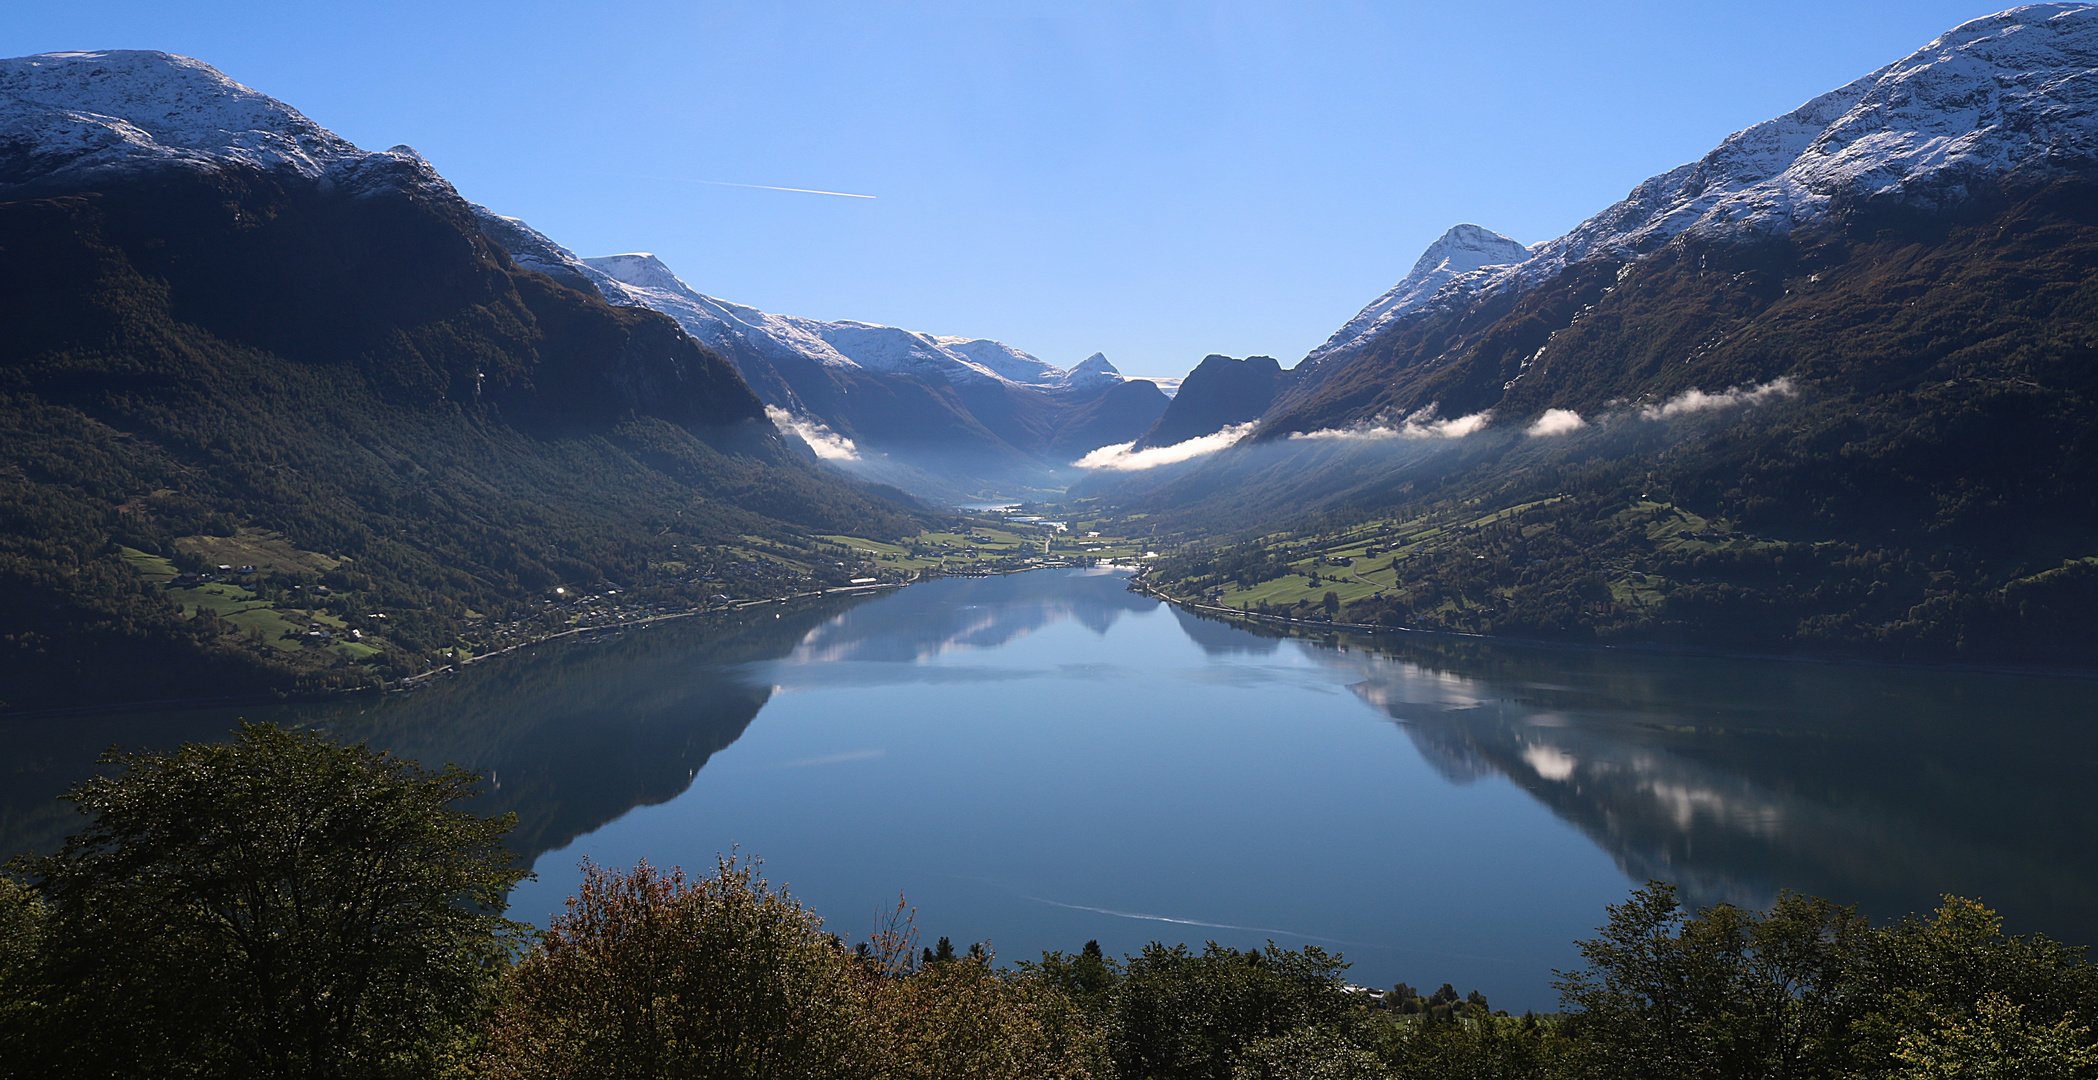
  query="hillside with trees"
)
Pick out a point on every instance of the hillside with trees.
point(1892, 454)
point(265, 435)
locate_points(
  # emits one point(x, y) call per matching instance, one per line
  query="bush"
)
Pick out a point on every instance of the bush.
point(961, 1018)
point(651, 975)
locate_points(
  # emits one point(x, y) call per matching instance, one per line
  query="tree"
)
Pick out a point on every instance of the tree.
point(1183, 1016)
point(1998, 1044)
point(1307, 1054)
point(648, 974)
point(1723, 993)
point(278, 906)
point(1925, 978)
point(962, 1018)
point(23, 987)
point(1089, 977)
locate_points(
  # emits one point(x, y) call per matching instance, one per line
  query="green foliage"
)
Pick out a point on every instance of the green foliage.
point(653, 975)
point(1724, 993)
point(1482, 1047)
point(24, 987)
point(278, 906)
point(1089, 976)
point(1998, 1044)
point(1307, 1054)
point(1181, 1015)
point(963, 1018)
point(1807, 989)
point(650, 975)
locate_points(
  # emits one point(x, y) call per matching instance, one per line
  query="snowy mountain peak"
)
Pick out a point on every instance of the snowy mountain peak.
point(1461, 250)
point(93, 110)
point(1092, 371)
point(1096, 363)
point(1464, 248)
point(71, 119)
point(2007, 93)
point(638, 268)
point(2010, 92)
point(639, 279)
point(1002, 359)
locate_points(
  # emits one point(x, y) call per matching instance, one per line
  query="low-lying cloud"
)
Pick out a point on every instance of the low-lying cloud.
point(1555, 422)
point(1123, 457)
point(1422, 424)
point(828, 444)
point(1695, 400)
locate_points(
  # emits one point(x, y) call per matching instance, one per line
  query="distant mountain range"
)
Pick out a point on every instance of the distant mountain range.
point(1833, 387)
point(944, 417)
point(1862, 336)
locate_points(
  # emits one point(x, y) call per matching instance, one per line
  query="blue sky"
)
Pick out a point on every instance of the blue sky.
point(1153, 180)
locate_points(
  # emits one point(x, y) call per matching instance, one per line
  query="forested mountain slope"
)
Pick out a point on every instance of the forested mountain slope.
point(236, 340)
point(1833, 388)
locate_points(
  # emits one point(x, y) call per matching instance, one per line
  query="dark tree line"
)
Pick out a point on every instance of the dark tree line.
point(282, 906)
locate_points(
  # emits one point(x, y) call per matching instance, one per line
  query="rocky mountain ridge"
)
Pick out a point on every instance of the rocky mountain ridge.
point(2013, 95)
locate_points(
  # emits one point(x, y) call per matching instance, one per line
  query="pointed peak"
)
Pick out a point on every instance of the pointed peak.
point(1467, 247)
point(636, 268)
point(1096, 363)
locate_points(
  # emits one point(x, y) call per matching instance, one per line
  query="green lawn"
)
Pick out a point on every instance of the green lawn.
point(282, 629)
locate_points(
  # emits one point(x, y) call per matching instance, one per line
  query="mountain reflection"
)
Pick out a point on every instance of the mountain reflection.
point(1733, 778)
point(917, 624)
point(568, 735)
point(1738, 778)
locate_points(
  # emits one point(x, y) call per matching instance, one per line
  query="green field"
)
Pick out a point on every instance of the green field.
point(280, 628)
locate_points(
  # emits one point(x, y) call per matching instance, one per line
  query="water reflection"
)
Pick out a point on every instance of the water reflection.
point(1734, 778)
point(568, 735)
point(916, 625)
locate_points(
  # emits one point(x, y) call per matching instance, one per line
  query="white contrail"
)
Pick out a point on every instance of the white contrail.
point(761, 187)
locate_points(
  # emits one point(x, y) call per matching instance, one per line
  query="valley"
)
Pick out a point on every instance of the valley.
point(1721, 568)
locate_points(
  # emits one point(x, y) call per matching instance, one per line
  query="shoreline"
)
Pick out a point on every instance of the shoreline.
point(1654, 648)
point(409, 684)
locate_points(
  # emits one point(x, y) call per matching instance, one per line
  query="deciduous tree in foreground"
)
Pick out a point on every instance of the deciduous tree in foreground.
point(278, 906)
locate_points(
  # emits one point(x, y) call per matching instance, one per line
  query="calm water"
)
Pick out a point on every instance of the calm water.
point(1045, 758)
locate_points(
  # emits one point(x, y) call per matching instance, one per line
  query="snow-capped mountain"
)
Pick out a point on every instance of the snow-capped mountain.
point(95, 120)
point(76, 119)
point(2014, 92)
point(1461, 250)
point(915, 407)
point(640, 279)
point(1094, 370)
point(2010, 92)
point(724, 326)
